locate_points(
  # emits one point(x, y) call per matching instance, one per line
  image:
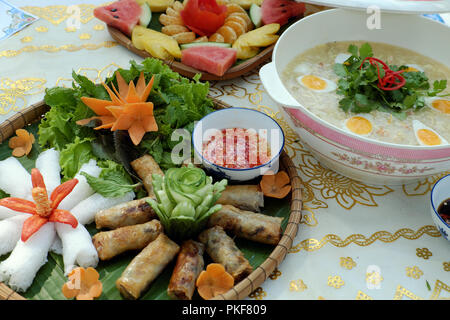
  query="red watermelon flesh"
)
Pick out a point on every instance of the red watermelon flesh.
point(122, 15)
point(280, 11)
point(215, 60)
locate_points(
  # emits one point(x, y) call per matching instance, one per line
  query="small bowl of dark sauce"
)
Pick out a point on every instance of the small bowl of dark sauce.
point(440, 205)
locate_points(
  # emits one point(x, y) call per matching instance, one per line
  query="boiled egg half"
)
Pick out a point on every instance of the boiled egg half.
point(342, 57)
point(361, 125)
point(440, 104)
point(316, 83)
point(303, 68)
point(413, 68)
point(427, 136)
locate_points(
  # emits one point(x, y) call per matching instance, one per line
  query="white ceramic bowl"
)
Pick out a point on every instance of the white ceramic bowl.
point(439, 193)
point(360, 158)
point(238, 118)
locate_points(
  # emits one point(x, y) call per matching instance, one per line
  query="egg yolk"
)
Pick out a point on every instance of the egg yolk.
point(359, 125)
point(442, 105)
point(428, 137)
point(314, 83)
point(411, 69)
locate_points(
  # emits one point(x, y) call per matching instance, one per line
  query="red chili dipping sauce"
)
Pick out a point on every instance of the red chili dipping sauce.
point(237, 148)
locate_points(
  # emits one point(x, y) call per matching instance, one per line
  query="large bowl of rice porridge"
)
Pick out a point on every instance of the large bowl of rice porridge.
point(374, 146)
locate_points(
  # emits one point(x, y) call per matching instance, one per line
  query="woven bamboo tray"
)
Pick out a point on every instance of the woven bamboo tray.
point(184, 70)
point(246, 286)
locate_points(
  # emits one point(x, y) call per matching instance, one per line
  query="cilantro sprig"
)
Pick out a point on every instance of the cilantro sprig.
point(361, 93)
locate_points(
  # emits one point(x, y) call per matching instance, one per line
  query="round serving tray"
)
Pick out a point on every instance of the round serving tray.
point(241, 290)
point(184, 70)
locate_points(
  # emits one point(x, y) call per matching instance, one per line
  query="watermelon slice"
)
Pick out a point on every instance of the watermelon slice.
point(123, 15)
point(280, 11)
point(212, 59)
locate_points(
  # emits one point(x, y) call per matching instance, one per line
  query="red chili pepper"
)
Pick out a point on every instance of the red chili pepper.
point(43, 210)
point(392, 80)
point(61, 192)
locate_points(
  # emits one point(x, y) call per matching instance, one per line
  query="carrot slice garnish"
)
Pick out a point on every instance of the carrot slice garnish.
point(214, 281)
point(22, 143)
point(127, 110)
point(83, 284)
point(276, 186)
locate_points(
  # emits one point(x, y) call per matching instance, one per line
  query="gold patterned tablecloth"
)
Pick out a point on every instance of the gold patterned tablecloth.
point(355, 241)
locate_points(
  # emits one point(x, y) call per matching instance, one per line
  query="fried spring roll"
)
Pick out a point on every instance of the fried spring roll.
point(125, 214)
point(112, 243)
point(189, 265)
point(222, 249)
point(145, 166)
point(253, 226)
point(245, 197)
point(146, 266)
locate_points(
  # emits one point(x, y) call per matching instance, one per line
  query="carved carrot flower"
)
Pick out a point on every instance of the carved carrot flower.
point(83, 284)
point(43, 209)
point(21, 143)
point(214, 281)
point(127, 110)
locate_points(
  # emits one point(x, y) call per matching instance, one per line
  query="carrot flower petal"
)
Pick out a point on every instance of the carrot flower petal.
point(22, 143)
point(214, 281)
point(83, 284)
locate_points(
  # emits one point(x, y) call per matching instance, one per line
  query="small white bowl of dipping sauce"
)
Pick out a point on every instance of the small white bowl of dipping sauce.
point(238, 144)
point(440, 205)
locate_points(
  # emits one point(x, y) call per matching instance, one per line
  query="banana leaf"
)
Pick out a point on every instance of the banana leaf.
point(50, 278)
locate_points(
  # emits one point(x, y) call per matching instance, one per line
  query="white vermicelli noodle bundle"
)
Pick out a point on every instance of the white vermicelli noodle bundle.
point(85, 211)
point(19, 270)
point(82, 190)
point(56, 246)
point(14, 179)
point(48, 164)
point(10, 232)
point(6, 213)
point(77, 247)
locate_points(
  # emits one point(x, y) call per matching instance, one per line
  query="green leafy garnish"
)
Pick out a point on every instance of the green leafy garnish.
point(361, 93)
point(178, 103)
point(185, 198)
point(112, 182)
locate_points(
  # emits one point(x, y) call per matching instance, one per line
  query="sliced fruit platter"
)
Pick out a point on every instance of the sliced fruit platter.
point(96, 204)
point(219, 39)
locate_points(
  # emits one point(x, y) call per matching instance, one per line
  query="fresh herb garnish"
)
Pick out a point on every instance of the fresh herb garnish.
point(178, 102)
point(359, 83)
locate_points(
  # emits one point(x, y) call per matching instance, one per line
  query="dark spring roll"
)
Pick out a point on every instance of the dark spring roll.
point(146, 266)
point(145, 166)
point(253, 226)
point(245, 197)
point(125, 214)
point(111, 243)
point(189, 265)
point(222, 249)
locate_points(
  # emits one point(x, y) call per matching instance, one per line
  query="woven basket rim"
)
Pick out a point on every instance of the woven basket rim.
point(251, 282)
